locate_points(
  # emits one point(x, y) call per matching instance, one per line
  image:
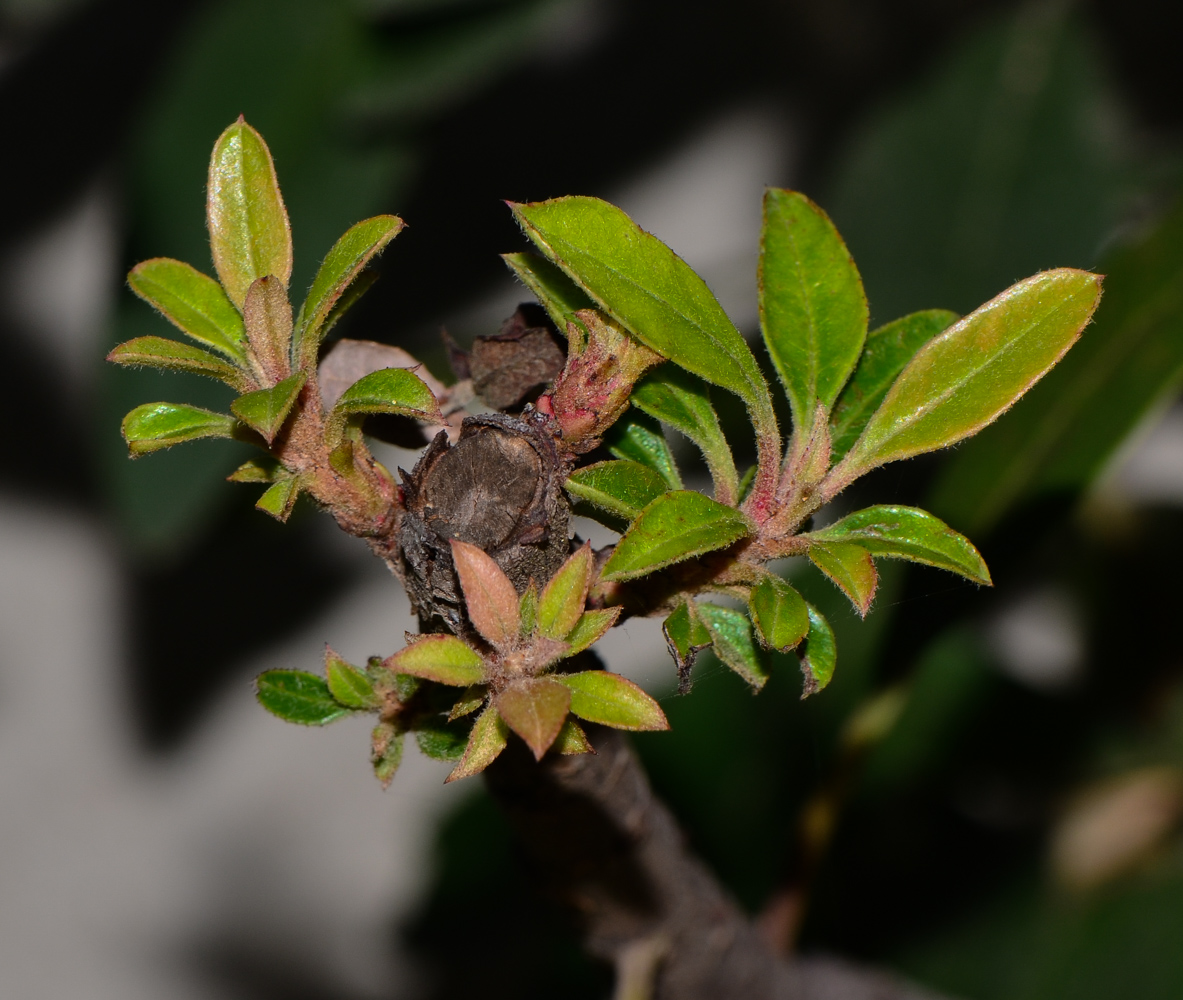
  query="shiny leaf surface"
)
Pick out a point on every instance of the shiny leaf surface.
point(612, 700)
point(298, 697)
point(851, 568)
point(732, 642)
point(555, 292)
point(391, 390)
point(280, 499)
point(685, 637)
point(622, 487)
point(193, 302)
point(779, 614)
point(161, 425)
point(160, 352)
point(819, 654)
point(266, 409)
point(637, 438)
point(674, 527)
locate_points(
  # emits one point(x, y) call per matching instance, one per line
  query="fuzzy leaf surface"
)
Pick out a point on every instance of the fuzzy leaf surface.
point(441, 742)
point(266, 409)
point(160, 352)
point(561, 603)
point(819, 654)
point(850, 567)
point(637, 438)
point(674, 396)
point(267, 314)
point(590, 628)
point(250, 236)
point(299, 697)
point(731, 639)
point(572, 739)
point(486, 741)
point(535, 708)
point(441, 658)
point(649, 289)
point(887, 351)
point(908, 533)
point(963, 379)
point(813, 311)
point(386, 752)
point(779, 613)
point(622, 487)
point(391, 390)
point(345, 261)
point(161, 425)
point(258, 470)
point(279, 499)
point(612, 700)
point(193, 302)
point(674, 527)
point(685, 635)
point(350, 686)
point(489, 597)
point(555, 292)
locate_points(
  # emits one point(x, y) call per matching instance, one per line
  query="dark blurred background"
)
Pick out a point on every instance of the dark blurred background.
point(987, 798)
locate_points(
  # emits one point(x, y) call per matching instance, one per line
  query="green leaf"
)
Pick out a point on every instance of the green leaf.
point(534, 708)
point(887, 351)
point(390, 390)
point(674, 527)
point(967, 376)
point(590, 628)
point(489, 597)
point(731, 639)
point(268, 317)
point(386, 752)
point(159, 352)
point(280, 499)
point(612, 700)
point(650, 290)
point(193, 302)
point(779, 613)
point(561, 602)
point(638, 438)
point(298, 697)
point(677, 398)
point(161, 425)
point(473, 698)
point(441, 658)
point(345, 261)
point(572, 739)
point(685, 637)
point(266, 409)
point(555, 292)
point(813, 311)
point(528, 611)
point(851, 568)
point(486, 741)
point(819, 654)
point(908, 533)
point(350, 686)
point(250, 236)
point(621, 487)
point(258, 470)
point(441, 742)
point(1061, 436)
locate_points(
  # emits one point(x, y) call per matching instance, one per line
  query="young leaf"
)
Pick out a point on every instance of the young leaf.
point(298, 697)
point(345, 261)
point(561, 602)
point(441, 742)
point(813, 311)
point(440, 658)
point(908, 533)
point(677, 398)
point(819, 654)
point(887, 351)
point(161, 425)
point(620, 487)
point(779, 613)
point(612, 700)
point(266, 409)
point(279, 499)
point(674, 527)
point(258, 470)
point(637, 438)
point(347, 684)
point(685, 637)
point(473, 698)
point(572, 739)
point(390, 390)
point(534, 708)
point(489, 597)
point(555, 292)
point(159, 352)
point(731, 639)
point(649, 289)
point(386, 752)
point(250, 236)
point(851, 568)
point(487, 739)
point(528, 611)
point(268, 317)
point(193, 302)
point(590, 628)
point(967, 376)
